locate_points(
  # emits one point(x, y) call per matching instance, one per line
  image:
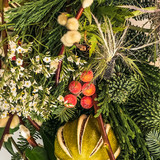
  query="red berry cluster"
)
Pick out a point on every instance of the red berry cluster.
point(88, 89)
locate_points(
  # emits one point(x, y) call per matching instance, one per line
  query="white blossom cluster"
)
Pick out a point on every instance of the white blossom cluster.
point(22, 87)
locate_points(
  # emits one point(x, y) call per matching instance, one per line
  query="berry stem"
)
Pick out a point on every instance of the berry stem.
point(79, 14)
point(103, 130)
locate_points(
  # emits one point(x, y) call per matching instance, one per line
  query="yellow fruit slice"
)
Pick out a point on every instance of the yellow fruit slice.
point(81, 140)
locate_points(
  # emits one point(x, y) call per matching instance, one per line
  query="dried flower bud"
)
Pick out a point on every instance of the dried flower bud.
point(24, 131)
point(72, 24)
point(87, 3)
point(65, 43)
point(15, 122)
point(72, 37)
point(62, 18)
point(3, 121)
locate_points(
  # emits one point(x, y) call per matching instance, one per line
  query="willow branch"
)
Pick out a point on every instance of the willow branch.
point(36, 126)
point(103, 130)
point(79, 14)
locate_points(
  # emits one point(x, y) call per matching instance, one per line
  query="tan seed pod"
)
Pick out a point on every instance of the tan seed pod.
point(15, 122)
point(72, 24)
point(64, 41)
point(62, 18)
point(87, 3)
point(72, 37)
point(3, 121)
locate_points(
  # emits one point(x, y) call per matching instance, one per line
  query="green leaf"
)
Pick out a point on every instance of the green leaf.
point(1, 132)
point(8, 146)
point(87, 13)
point(93, 40)
point(48, 145)
point(37, 153)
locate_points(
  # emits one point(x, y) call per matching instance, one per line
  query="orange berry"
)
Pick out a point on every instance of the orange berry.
point(70, 100)
point(75, 87)
point(86, 102)
point(87, 76)
point(88, 89)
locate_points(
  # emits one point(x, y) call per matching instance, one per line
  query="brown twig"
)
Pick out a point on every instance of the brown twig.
point(103, 130)
point(79, 14)
point(6, 130)
point(36, 126)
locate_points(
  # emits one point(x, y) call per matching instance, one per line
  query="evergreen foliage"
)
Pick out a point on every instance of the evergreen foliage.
point(128, 101)
point(153, 143)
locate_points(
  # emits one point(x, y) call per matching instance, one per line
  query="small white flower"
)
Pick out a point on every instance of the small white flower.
point(35, 90)
point(5, 106)
point(70, 59)
point(39, 69)
point(47, 59)
point(40, 88)
point(60, 98)
point(34, 104)
point(12, 54)
point(4, 114)
point(12, 70)
point(13, 89)
point(21, 68)
point(20, 49)
point(27, 84)
point(1, 72)
point(12, 45)
point(54, 64)
point(19, 62)
point(12, 109)
point(37, 58)
point(78, 61)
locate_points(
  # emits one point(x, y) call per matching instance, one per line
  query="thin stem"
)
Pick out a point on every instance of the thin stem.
point(36, 126)
point(103, 130)
point(79, 14)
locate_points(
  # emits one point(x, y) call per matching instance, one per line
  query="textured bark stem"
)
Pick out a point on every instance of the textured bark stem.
point(59, 65)
point(36, 126)
point(103, 130)
point(32, 142)
point(6, 130)
point(79, 14)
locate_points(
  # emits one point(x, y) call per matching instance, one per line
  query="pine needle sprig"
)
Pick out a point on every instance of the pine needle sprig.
point(153, 143)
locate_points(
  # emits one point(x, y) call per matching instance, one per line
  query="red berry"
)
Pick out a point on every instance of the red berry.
point(86, 102)
point(88, 89)
point(87, 76)
point(70, 100)
point(75, 87)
